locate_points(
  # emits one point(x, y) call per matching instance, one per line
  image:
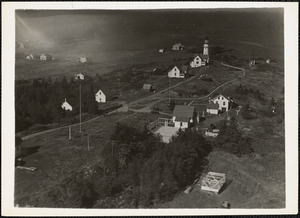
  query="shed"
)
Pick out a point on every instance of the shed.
point(66, 106)
point(147, 87)
point(212, 108)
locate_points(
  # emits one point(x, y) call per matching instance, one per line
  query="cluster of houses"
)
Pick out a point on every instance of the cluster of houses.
point(198, 61)
point(42, 57)
point(100, 97)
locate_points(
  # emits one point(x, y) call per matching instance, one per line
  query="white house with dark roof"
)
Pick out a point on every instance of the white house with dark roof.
point(79, 76)
point(66, 106)
point(183, 116)
point(100, 97)
point(175, 72)
point(222, 101)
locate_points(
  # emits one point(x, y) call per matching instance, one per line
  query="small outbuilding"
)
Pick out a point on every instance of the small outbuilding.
point(79, 76)
point(66, 106)
point(147, 88)
point(178, 47)
point(268, 61)
point(162, 50)
point(212, 108)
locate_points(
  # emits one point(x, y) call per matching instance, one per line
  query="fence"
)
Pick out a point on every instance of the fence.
point(160, 122)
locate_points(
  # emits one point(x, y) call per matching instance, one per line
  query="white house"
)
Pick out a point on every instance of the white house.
point(66, 106)
point(183, 116)
point(46, 57)
point(177, 47)
point(82, 59)
point(175, 73)
point(100, 96)
point(199, 60)
point(223, 102)
point(212, 108)
point(79, 76)
point(268, 61)
point(30, 57)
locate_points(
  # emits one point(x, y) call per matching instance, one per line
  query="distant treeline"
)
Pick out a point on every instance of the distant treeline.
point(39, 101)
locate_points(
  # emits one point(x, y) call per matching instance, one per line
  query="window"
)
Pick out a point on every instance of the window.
point(174, 69)
point(180, 123)
point(222, 98)
point(224, 103)
point(197, 62)
point(174, 74)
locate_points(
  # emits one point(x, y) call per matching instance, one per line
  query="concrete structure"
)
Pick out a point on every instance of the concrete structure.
point(147, 87)
point(100, 97)
point(66, 106)
point(178, 47)
point(213, 182)
point(223, 102)
point(212, 108)
point(183, 116)
point(175, 73)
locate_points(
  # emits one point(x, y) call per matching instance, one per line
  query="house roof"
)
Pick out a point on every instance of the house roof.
point(212, 106)
point(219, 96)
point(182, 119)
point(177, 44)
point(170, 69)
point(183, 111)
point(147, 86)
point(99, 91)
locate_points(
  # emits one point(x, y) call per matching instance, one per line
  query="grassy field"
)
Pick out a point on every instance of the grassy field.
point(55, 156)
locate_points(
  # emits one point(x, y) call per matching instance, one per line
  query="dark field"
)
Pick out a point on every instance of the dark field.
point(118, 40)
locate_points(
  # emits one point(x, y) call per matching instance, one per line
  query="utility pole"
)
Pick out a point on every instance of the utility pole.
point(169, 92)
point(79, 106)
point(70, 133)
point(88, 142)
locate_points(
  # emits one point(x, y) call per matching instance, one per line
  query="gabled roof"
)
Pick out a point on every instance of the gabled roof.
point(99, 91)
point(173, 68)
point(182, 119)
point(212, 106)
point(147, 86)
point(219, 96)
point(177, 44)
point(183, 111)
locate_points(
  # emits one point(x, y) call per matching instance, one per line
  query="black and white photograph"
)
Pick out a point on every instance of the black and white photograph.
point(152, 107)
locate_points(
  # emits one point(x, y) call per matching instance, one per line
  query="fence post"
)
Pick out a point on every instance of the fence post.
point(70, 133)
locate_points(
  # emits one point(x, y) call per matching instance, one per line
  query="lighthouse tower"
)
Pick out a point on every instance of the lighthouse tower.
point(205, 46)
